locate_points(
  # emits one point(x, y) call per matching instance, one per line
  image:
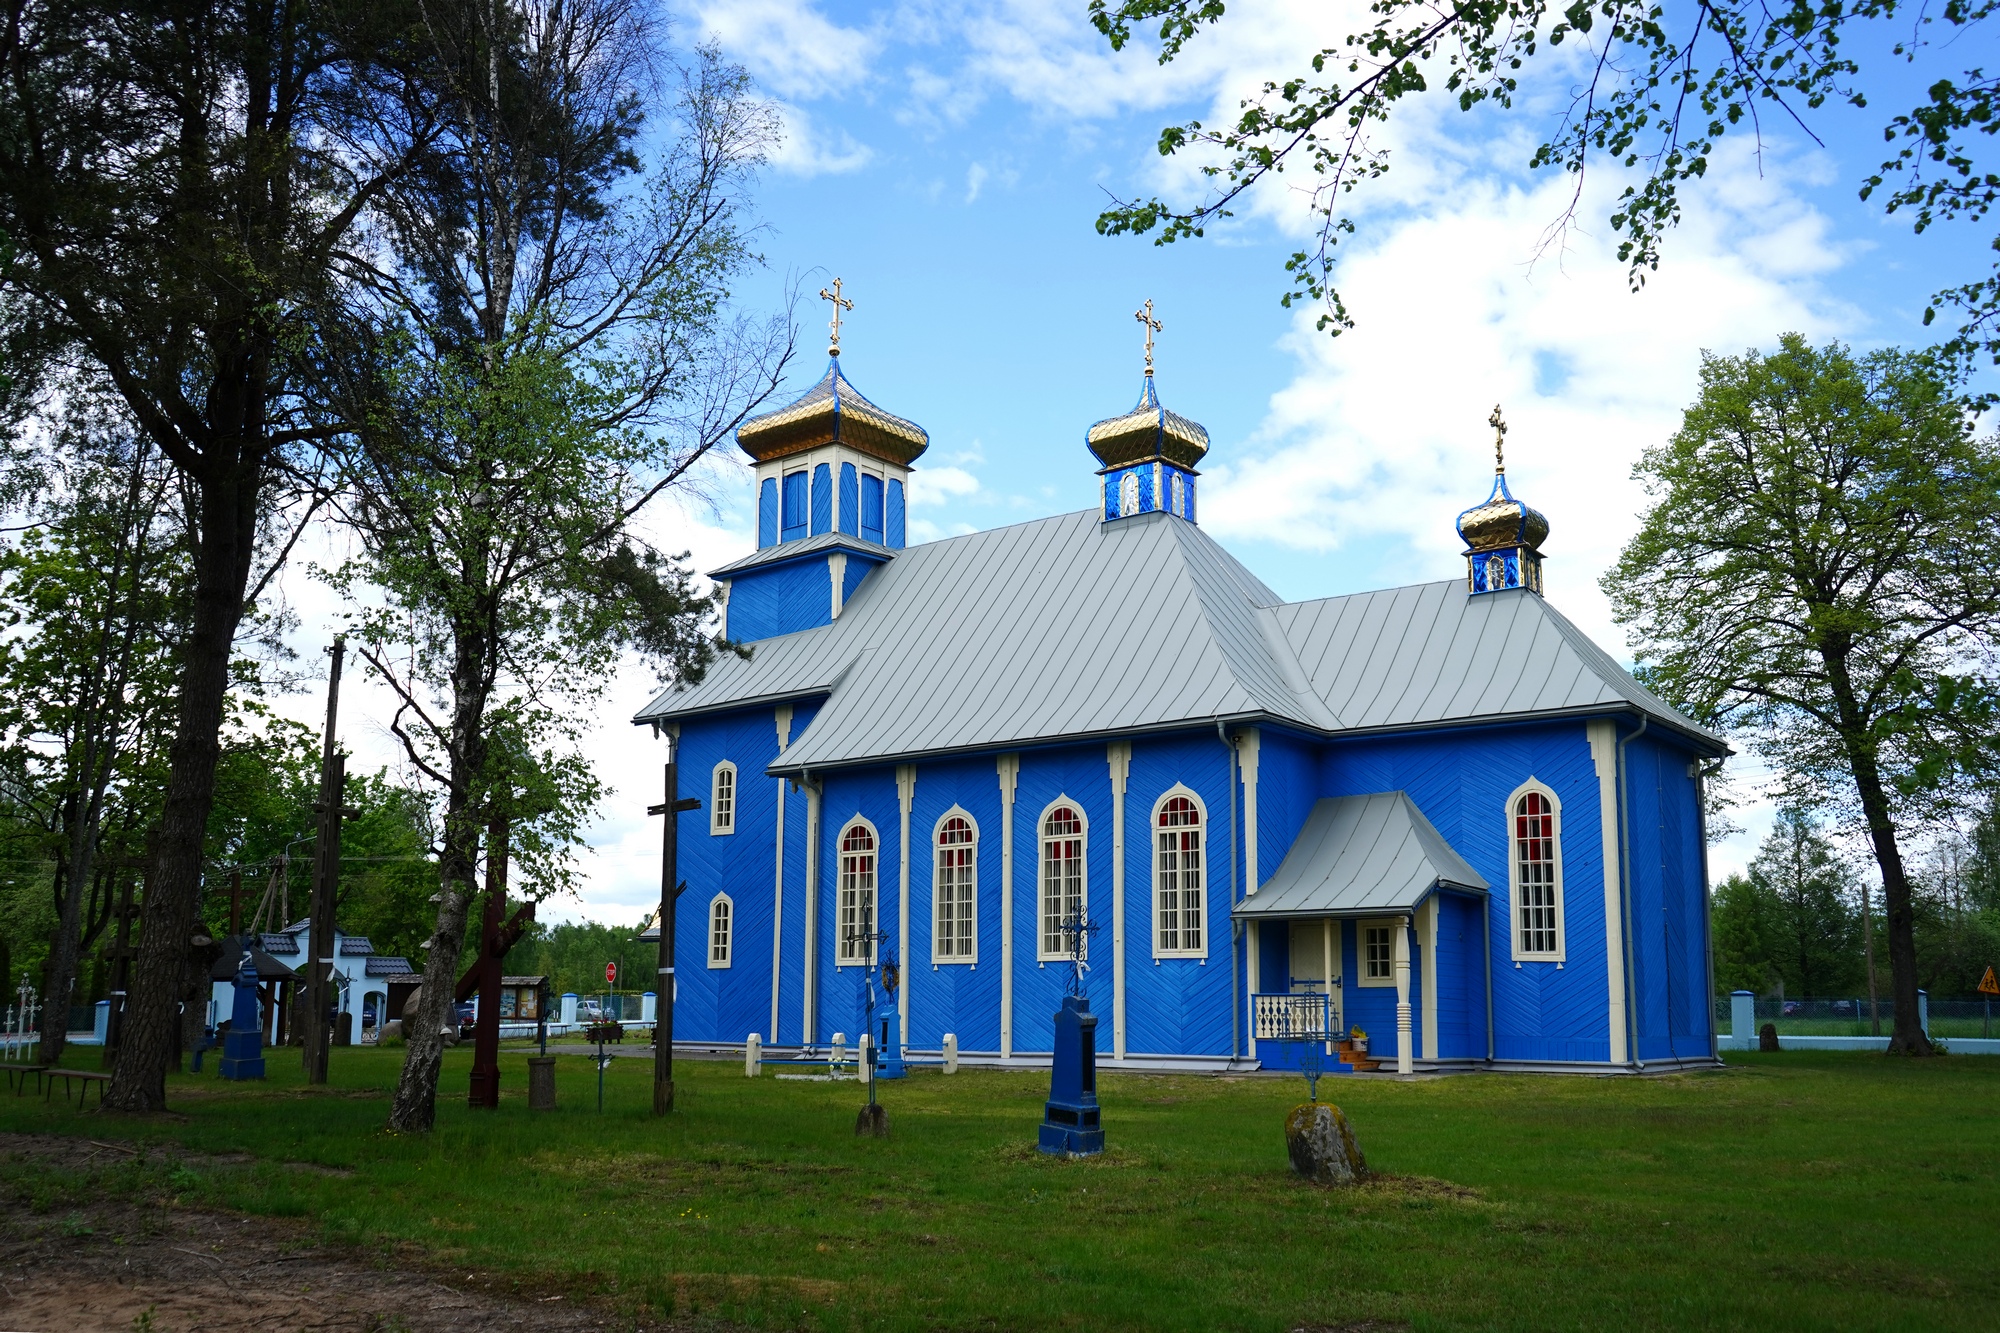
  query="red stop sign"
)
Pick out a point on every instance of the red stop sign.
point(611, 974)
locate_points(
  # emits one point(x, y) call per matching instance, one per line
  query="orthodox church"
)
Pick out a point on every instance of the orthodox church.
point(1438, 813)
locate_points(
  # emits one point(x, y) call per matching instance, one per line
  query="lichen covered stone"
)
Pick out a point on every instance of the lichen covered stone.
point(1322, 1145)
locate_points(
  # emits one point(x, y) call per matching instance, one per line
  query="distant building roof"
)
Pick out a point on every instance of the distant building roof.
point(1068, 627)
point(386, 965)
point(1361, 854)
point(355, 944)
point(279, 942)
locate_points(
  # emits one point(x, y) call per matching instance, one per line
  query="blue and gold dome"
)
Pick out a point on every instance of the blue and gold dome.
point(832, 412)
point(1147, 432)
point(1503, 537)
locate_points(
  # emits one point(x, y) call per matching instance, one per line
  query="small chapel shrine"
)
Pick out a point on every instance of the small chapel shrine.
point(1438, 814)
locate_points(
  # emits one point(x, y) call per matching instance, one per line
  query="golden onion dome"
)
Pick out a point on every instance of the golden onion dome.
point(1148, 431)
point(832, 412)
point(1501, 521)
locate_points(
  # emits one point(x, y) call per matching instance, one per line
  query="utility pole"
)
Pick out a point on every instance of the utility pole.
point(670, 889)
point(331, 808)
point(485, 1090)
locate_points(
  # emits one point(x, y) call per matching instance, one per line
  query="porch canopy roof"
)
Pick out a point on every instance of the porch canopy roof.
point(1361, 856)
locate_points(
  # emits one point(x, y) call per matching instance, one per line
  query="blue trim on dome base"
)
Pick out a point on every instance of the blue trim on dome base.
point(1508, 567)
point(1156, 487)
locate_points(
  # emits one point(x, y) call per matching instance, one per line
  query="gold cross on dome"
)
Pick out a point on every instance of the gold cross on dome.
point(840, 303)
point(1499, 424)
point(1153, 326)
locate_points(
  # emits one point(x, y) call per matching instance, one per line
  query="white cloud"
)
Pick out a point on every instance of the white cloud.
point(940, 485)
point(792, 48)
point(975, 176)
point(804, 149)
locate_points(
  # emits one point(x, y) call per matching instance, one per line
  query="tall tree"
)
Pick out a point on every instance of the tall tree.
point(1815, 938)
point(1653, 92)
point(176, 179)
point(1816, 571)
point(94, 594)
point(553, 352)
point(1740, 921)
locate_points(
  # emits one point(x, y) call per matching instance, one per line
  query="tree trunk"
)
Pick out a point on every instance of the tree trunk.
point(414, 1110)
point(1908, 1036)
point(227, 509)
point(67, 945)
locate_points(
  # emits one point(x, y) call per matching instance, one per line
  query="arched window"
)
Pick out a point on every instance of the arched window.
point(1128, 495)
point(1180, 495)
point(1062, 876)
point(955, 888)
point(1536, 873)
point(857, 895)
point(721, 921)
point(1177, 877)
point(722, 799)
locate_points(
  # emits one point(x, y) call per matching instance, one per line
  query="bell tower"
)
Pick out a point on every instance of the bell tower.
point(1149, 454)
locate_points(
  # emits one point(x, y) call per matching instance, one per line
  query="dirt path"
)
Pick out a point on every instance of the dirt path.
point(108, 1266)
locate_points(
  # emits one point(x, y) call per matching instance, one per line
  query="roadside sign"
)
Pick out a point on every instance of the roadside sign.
point(611, 974)
point(1987, 985)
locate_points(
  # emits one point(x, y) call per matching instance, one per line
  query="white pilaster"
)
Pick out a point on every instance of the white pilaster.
point(784, 724)
point(1427, 944)
point(1010, 773)
point(906, 791)
point(1326, 953)
point(836, 568)
point(1603, 737)
point(1404, 1063)
point(1247, 744)
point(722, 606)
point(1118, 755)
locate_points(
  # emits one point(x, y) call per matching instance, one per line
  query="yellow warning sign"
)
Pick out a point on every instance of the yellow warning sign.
point(1987, 985)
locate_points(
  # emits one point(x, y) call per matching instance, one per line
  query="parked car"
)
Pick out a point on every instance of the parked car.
point(1845, 1007)
point(1793, 1007)
point(589, 1011)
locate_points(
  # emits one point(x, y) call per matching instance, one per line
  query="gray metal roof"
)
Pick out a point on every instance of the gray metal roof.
point(1070, 626)
point(791, 550)
point(1358, 855)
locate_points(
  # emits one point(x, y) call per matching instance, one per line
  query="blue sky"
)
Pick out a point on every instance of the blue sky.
point(947, 161)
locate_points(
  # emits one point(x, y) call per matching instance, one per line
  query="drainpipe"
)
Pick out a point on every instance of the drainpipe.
point(1488, 932)
point(1625, 864)
point(1235, 926)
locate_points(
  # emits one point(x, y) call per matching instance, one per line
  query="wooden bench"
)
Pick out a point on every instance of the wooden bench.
point(80, 1079)
point(17, 1076)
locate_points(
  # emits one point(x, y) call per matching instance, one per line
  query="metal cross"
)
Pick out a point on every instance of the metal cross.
point(1145, 316)
point(1076, 932)
point(840, 303)
point(1499, 424)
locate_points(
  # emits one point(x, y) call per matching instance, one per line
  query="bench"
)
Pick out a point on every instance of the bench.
point(80, 1079)
point(17, 1076)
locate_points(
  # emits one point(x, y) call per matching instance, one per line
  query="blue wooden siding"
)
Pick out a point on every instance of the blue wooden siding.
point(767, 512)
point(894, 535)
point(962, 998)
point(779, 599)
point(822, 499)
point(1669, 960)
point(871, 509)
point(792, 521)
point(857, 570)
point(850, 504)
point(1172, 1005)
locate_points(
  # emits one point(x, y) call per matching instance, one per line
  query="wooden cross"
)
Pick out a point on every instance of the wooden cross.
point(1153, 326)
point(671, 889)
point(1499, 424)
point(840, 303)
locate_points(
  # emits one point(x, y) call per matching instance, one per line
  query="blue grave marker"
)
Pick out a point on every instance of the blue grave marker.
point(243, 1048)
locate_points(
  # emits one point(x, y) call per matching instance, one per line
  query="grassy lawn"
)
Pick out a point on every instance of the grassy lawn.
point(1790, 1191)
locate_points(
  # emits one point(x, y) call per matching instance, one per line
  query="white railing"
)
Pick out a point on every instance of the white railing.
point(1294, 1017)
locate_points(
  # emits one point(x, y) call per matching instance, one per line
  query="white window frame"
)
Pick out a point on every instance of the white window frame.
point(938, 955)
point(1042, 840)
point(1361, 929)
point(1519, 955)
point(717, 827)
point(1181, 790)
point(844, 953)
point(727, 905)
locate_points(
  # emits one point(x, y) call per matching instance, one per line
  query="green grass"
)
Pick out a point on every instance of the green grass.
point(1790, 1191)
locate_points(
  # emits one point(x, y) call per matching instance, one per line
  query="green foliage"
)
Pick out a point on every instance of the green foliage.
point(572, 956)
point(1741, 924)
point(1813, 929)
point(1664, 85)
point(1814, 570)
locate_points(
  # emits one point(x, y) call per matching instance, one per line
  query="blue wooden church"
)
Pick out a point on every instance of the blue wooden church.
point(1438, 813)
